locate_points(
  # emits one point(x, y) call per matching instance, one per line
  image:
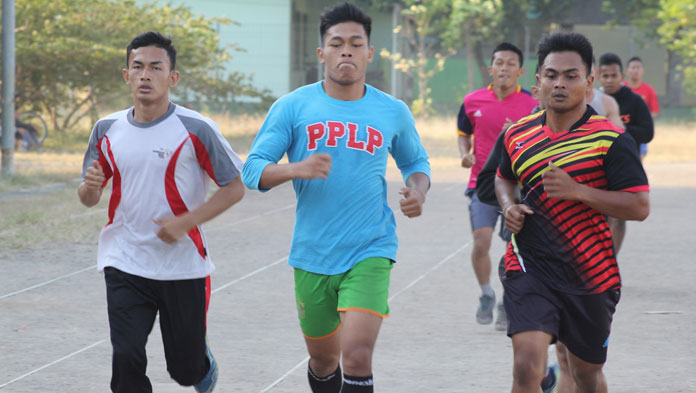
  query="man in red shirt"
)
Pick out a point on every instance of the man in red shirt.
point(635, 71)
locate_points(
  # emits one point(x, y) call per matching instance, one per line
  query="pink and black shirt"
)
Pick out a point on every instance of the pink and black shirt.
point(483, 116)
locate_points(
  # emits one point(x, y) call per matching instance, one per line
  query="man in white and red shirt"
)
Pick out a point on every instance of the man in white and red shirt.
point(152, 251)
point(481, 119)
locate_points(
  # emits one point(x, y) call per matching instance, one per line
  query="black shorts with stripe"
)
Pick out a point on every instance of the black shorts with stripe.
point(581, 322)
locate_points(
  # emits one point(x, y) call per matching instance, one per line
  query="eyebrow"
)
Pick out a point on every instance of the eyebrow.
point(353, 37)
point(569, 70)
point(156, 62)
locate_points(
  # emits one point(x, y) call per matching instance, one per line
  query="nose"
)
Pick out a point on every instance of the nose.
point(346, 51)
point(145, 74)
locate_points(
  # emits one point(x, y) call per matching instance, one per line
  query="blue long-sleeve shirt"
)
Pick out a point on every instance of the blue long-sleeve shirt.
point(345, 218)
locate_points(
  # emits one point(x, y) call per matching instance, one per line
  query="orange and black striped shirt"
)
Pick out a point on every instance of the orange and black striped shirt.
point(567, 244)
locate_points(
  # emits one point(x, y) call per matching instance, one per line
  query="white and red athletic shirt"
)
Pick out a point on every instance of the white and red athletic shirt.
point(159, 169)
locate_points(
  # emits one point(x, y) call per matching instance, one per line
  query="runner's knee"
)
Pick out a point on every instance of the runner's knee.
point(357, 360)
point(588, 379)
point(323, 364)
point(528, 368)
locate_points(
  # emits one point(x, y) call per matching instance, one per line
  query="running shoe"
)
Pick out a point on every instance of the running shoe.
point(501, 319)
point(484, 314)
point(554, 373)
point(210, 380)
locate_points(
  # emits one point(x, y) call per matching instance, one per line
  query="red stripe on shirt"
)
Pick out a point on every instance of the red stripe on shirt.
point(642, 188)
point(176, 202)
point(203, 157)
point(116, 188)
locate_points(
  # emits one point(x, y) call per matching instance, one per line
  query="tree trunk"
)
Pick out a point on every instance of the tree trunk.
point(483, 68)
point(469, 47)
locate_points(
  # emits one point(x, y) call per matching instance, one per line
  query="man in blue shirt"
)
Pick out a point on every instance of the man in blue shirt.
point(338, 134)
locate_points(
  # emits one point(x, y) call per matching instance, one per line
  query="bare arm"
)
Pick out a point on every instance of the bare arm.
point(313, 167)
point(612, 109)
point(172, 228)
point(417, 185)
point(619, 204)
point(514, 213)
point(468, 159)
point(90, 190)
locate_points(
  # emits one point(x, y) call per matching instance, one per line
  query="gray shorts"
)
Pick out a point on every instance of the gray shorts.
point(483, 215)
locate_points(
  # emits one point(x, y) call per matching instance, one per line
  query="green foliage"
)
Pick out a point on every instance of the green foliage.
point(484, 18)
point(678, 32)
point(672, 22)
point(423, 27)
point(69, 56)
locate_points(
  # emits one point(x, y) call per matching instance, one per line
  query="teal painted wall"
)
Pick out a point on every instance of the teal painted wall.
point(264, 34)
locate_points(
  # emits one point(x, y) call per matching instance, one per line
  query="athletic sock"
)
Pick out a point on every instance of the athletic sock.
point(353, 384)
point(549, 380)
point(487, 290)
point(328, 384)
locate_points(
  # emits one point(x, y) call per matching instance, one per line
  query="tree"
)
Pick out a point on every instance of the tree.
point(69, 54)
point(677, 30)
point(422, 25)
point(673, 23)
point(474, 20)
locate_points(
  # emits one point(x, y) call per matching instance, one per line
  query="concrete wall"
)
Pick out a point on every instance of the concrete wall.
point(626, 41)
point(263, 32)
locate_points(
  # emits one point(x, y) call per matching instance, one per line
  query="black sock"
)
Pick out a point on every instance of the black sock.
point(328, 384)
point(357, 384)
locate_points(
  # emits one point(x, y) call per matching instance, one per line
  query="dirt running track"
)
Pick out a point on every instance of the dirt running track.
point(54, 334)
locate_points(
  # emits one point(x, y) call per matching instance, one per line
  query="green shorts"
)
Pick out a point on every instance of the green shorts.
point(320, 297)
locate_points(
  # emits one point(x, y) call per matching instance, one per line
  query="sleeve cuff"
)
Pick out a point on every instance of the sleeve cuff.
point(643, 188)
point(419, 166)
point(251, 173)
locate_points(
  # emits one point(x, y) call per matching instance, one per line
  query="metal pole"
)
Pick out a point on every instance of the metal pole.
point(8, 86)
point(396, 19)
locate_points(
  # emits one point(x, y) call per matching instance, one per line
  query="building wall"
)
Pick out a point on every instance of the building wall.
point(626, 41)
point(263, 32)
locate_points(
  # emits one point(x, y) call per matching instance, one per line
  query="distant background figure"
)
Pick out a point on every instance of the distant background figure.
point(482, 117)
point(635, 70)
point(634, 114)
point(604, 104)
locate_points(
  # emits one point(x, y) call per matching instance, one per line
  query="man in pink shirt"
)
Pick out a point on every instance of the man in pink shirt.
point(481, 119)
point(635, 71)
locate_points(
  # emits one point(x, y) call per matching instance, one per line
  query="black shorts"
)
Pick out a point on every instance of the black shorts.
point(581, 322)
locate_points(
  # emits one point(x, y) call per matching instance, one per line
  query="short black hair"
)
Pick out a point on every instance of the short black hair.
point(344, 12)
point(634, 58)
point(566, 42)
point(512, 48)
point(153, 38)
point(610, 58)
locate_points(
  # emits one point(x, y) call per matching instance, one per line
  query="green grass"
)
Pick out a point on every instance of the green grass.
point(24, 181)
point(68, 141)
